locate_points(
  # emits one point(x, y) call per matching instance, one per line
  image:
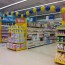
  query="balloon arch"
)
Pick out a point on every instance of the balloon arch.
point(37, 9)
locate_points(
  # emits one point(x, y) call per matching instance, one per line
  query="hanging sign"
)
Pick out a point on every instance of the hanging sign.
point(9, 19)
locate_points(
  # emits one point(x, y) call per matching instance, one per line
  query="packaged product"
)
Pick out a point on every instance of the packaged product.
point(8, 46)
point(14, 46)
point(61, 38)
point(61, 47)
point(58, 46)
point(20, 45)
point(11, 46)
point(23, 45)
point(64, 47)
point(17, 46)
point(16, 40)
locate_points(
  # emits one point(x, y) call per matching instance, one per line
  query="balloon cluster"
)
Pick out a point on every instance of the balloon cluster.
point(37, 9)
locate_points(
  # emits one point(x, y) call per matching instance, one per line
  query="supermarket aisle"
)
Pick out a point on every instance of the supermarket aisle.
point(38, 56)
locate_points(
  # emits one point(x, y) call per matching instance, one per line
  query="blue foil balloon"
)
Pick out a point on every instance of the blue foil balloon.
point(57, 9)
point(38, 9)
point(5, 15)
point(19, 15)
point(9, 13)
point(31, 11)
point(24, 14)
point(47, 8)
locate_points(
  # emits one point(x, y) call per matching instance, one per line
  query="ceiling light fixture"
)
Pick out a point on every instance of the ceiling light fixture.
point(12, 4)
point(42, 5)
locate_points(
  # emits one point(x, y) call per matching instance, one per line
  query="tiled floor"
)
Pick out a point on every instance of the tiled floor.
point(43, 55)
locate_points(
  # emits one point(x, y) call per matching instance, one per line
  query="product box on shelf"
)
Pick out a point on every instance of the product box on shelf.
point(60, 58)
point(16, 40)
point(23, 46)
point(18, 47)
point(23, 40)
point(38, 25)
point(11, 46)
point(14, 47)
point(21, 36)
point(7, 45)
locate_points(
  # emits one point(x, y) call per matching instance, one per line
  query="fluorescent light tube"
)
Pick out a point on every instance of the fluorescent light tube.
point(12, 4)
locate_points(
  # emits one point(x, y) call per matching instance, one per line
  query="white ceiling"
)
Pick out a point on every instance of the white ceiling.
point(24, 5)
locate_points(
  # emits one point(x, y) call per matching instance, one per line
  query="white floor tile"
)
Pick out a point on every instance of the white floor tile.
point(43, 55)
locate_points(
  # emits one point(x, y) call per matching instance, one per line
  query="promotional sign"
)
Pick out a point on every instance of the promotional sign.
point(9, 19)
point(20, 20)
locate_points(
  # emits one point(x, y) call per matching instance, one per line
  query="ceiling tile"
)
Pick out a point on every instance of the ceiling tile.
point(27, 4)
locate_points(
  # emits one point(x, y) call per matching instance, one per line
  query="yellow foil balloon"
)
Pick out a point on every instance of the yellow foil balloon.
point(12, 13)
point(34, 10)
point(63, 10)
point(7, 13)
point(52, 8)
point(22, 16)
point(17, 13)
point(42, 8)
point(3, 15)
point(63, 22)
point(27, 13)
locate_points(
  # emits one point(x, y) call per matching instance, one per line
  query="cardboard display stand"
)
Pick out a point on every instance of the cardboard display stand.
point(17, 39)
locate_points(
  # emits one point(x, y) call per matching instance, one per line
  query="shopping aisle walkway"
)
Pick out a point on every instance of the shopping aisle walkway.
point(43, 55)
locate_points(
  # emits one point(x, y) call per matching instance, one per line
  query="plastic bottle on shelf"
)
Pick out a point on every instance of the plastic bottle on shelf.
point(61, 39)
point(61, 47)
point(64, 32)
point(58, 46)
point(57, 39)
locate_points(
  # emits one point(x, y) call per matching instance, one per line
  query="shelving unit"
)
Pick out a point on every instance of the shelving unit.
point(50, 36)
point(0, 32)
point(17, 39)
point(49, 33)
point(38, 30)
point(61, 51)
point(60, 55)
point(5, 33)
point(34, 32)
